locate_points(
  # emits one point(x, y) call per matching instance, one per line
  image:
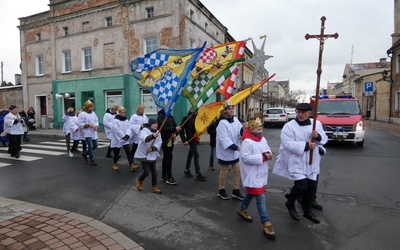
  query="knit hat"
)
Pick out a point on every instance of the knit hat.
point(304, 106)
point(13, 107)
point(227, 104)
point(88, 104)
point(254, 123)
point(151, 122)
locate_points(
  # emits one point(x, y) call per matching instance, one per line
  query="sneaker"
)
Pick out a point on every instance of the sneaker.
point(133, 167)
point(222, 194)
point(236, 194)
point(70, 154)
point(171, 181)
point(200, 177)
point(243, 213)
point(93, 163)
point(211, 167)
point(85, 157)
point(164, 178)
point(188, 174)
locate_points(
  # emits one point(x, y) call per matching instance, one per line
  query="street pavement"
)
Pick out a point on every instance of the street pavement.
point(29, 226)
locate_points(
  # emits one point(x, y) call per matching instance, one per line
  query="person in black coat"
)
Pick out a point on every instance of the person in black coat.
point(212, 131)
point(168, 135)
point(188, 137)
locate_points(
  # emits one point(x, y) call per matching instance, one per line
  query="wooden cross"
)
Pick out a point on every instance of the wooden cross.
point(321, 37)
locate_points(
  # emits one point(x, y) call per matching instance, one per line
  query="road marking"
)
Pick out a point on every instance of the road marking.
point(102, 144)
point(35, 151)
point(44, 146)
point(4, 164)
point(21, 158)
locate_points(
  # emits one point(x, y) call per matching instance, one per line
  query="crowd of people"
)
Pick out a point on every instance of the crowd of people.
point(239, 146)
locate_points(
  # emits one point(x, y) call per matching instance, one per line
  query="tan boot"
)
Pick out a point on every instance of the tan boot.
point(156, 190)
point(243, 213)
point(139, 185)
point(115, 167)
point(134, 167)
point(269, 231)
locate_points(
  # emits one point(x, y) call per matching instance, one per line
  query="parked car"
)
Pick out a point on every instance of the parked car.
point(275, 116)
point(291, 113)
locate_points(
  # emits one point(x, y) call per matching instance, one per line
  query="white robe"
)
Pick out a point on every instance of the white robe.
point(88, 118)
point(253, 171)
point(228, 134)
point(137, 120)
point(119, 129)
point(10, 127)
point(108, 120)
point(292, 161)
point(141, 152)
point(76, 132)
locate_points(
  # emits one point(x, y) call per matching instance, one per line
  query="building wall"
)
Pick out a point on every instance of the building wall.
point(11, 95)
point(175, 24)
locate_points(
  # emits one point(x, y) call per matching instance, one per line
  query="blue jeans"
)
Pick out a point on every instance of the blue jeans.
point(261, 207)
point(91, 145)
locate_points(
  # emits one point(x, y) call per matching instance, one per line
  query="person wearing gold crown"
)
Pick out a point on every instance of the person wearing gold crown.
point(229, 132)
point(254, 156)
point(89, 123)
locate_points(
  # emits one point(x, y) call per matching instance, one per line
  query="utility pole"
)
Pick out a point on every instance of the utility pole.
point(1, 72)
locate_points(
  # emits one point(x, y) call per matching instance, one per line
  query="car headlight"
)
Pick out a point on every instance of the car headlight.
point(360, 126)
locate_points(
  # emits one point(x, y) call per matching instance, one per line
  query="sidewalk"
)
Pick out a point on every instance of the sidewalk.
point(29, 226)
point(392, 128)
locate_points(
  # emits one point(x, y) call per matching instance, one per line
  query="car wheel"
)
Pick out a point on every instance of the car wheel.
point(360, 143)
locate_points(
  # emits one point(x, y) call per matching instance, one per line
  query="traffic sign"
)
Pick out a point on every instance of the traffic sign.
point(369, 93)
point(368, 86)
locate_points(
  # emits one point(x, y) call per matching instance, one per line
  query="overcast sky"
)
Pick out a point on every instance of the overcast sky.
point(366, 25)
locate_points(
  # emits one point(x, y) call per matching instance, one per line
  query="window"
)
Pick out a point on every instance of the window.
point(108, 21)
point(148, 102)
point(397, 101)
point(38, 37)
point(206, 26)
point(39, 66)
point(66, 61)
point(113, 97)
point(191, 15)
point(65, 31)
point(151, 44)
point(87, 59)
point(85, 26)
point(192, 43)
point(150, 12)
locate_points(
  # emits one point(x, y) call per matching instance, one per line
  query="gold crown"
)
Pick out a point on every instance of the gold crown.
point(227, 104)
point(254, 123)
point(88, 104)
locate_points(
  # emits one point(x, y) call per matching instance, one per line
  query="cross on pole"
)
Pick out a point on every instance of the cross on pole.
point(321, 37)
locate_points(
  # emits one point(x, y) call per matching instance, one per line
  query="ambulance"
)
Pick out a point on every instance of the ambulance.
point(341, 118)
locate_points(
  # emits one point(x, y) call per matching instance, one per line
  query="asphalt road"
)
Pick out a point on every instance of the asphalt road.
point(358, 188)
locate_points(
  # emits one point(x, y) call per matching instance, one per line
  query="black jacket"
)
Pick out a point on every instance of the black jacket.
point(188, 129)
point(212, 131)
point(169, 127)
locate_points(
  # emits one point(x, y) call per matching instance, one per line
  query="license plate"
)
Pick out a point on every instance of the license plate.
point(340, 133)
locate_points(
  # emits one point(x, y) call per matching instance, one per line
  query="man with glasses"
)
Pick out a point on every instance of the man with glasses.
point(297, 141)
